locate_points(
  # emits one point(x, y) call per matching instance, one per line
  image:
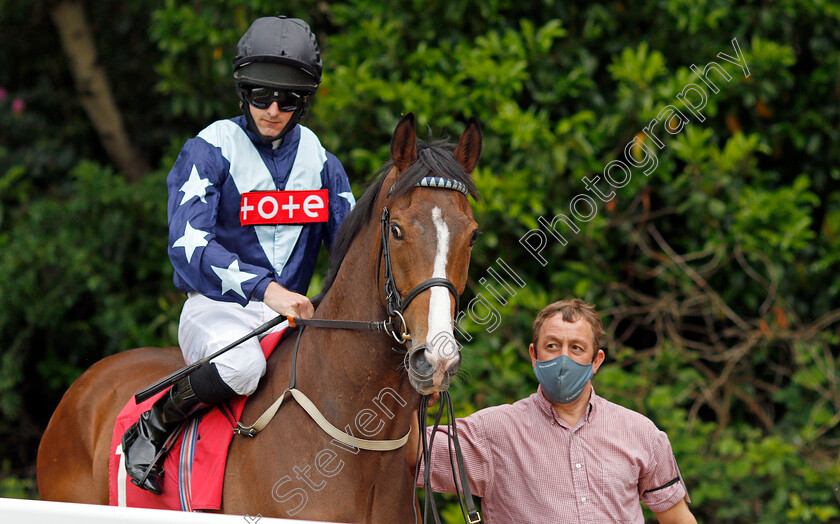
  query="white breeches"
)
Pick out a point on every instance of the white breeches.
point(207, 326)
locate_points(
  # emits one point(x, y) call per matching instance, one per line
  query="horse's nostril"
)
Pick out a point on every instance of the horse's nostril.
point(420, 364)
point(454, 367)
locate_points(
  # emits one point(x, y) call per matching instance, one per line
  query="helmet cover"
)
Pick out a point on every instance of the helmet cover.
point(278, 52)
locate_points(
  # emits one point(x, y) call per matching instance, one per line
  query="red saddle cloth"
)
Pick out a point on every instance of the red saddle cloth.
point(194, 468)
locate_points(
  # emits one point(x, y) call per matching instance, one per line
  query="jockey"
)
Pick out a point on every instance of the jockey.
point(251, 199)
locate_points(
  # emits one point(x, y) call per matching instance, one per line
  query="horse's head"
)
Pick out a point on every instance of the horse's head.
point(428, 233)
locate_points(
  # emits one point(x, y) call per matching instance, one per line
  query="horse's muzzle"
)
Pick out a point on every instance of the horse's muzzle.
point(428, 372)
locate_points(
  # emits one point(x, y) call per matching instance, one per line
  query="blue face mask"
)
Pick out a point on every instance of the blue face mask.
point(562, 379)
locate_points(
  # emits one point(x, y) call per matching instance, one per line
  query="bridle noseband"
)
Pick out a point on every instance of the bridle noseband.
point(394, 304)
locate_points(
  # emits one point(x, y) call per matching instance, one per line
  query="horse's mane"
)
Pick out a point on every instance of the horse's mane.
point(434, 158)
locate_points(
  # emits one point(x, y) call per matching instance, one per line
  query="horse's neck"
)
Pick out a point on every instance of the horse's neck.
point(348, 372)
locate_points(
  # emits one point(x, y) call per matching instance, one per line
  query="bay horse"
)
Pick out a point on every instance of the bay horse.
point(356, 379)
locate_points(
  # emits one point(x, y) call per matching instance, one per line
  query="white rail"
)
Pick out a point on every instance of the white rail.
point(18, 511)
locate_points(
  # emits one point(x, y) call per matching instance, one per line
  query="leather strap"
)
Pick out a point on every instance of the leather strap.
point(312, 410)
point(465, 499)
point(358, 325)
point(323, 423)
point(423, 286)
point(472, 516)
point(394, 303)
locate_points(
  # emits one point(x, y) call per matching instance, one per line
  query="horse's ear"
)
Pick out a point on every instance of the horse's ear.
point(469, 146)
point(404, 143)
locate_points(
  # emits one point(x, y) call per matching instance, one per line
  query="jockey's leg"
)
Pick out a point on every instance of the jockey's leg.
point(205, 327)
point(208, 325)
point(145, 439)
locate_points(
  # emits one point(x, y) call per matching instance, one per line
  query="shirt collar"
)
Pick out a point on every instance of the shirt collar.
point(543, 404)
point(547, 409)
point(594, 401)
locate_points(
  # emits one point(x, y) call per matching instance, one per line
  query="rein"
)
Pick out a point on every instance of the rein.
point(465, 499)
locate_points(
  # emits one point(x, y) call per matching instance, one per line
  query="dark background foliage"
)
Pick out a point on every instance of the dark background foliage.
point(716, 273)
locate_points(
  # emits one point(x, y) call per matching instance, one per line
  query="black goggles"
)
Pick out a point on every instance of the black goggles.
point(263, 97)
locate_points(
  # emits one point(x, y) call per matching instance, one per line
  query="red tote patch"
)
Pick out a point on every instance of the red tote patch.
point(284, 207)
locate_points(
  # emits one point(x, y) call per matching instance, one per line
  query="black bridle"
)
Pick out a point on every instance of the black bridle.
point(394, 304)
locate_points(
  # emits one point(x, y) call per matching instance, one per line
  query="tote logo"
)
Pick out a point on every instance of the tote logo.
point(284, 207)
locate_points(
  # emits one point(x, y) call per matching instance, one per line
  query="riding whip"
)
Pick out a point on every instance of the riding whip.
point(164, 383)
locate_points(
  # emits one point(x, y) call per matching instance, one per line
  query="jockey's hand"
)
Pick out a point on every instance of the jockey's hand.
point(287, 302)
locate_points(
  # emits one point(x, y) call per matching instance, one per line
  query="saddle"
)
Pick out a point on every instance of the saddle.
point(195, 465)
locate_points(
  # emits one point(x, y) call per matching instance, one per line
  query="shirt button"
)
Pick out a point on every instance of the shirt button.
point(577, 466)
point(583, 499)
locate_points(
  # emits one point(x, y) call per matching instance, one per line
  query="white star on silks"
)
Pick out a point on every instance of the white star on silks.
point(348, 196)
point(195, 187)
point(192, 239)
point(232, 277)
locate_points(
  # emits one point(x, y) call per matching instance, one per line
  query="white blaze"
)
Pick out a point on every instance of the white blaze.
point(440, 316)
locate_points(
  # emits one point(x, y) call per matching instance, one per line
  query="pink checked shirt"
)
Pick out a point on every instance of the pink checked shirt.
point(530, 466)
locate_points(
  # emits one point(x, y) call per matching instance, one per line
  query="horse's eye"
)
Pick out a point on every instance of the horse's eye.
point(396, 232)
point(473, 238)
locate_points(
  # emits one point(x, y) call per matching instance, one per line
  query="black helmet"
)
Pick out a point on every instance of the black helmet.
point(282, 53)
point(278, 52)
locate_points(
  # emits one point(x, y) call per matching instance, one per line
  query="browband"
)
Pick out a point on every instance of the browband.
point(443, 183)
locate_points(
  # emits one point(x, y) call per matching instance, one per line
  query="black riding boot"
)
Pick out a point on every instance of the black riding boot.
point(144, 440)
